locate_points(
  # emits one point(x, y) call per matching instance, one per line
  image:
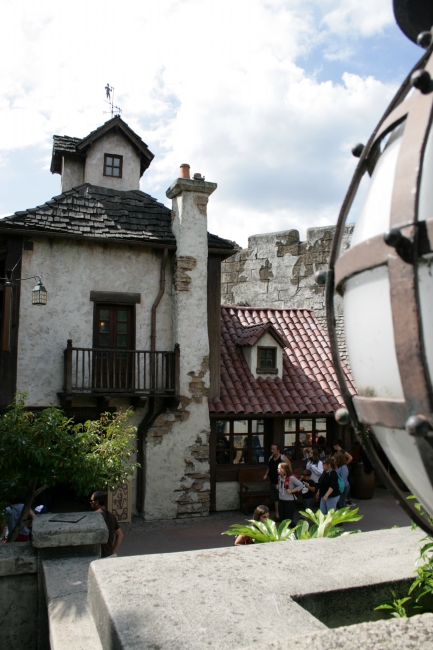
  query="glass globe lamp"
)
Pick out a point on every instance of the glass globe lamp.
point(386, 280)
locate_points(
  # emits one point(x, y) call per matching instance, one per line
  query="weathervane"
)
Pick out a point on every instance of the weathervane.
point(109, 94)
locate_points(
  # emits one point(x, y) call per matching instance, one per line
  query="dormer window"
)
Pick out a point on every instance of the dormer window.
point(267, 360)
point(113, 165)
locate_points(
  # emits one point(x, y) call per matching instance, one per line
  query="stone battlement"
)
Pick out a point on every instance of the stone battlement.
point(277, 270)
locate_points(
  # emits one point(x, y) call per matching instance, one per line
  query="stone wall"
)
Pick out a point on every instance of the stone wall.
point(277, 270)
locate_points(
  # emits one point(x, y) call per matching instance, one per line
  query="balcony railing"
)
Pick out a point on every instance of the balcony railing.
point(134, 372)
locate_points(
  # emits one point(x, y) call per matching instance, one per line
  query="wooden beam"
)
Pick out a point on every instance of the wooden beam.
point(9, 358)
point(214, 322)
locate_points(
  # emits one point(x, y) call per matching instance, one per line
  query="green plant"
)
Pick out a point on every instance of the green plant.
point(38, 450)
point(399, 606)
point(422, 585)
point(323, 526)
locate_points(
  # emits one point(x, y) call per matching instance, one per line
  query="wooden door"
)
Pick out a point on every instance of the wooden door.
point(114, 339)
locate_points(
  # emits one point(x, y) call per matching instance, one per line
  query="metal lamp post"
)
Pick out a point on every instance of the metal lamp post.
point(386, 279)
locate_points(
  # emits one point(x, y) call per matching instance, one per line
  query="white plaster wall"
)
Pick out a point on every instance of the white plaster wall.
point(227, 496)
point(179, 458)
point(190, 314)
point(114, 143)
point(72, 172)
point(251, 351)
point(70, 270)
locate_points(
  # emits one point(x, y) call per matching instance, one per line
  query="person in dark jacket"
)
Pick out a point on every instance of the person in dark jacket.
point(328, 487)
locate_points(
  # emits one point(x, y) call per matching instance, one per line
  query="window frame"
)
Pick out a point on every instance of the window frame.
point(274, 369)
point(315, 433)
point(114, 156)
point(233, 451)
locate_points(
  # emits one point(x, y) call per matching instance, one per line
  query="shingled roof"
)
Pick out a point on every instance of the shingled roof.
point(102, 213)
point(309, 383)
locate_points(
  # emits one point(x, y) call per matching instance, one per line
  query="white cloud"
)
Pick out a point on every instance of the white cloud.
point(366, 17)
point(215, 84)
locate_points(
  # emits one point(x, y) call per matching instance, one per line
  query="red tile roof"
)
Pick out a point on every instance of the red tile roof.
point(252, 333)
point(309, 383)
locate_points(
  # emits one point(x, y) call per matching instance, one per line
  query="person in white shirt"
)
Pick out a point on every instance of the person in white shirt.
point(315, 465)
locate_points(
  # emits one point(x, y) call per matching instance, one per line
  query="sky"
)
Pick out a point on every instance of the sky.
point(264, 97)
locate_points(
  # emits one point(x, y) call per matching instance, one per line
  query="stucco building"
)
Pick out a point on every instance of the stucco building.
point(132, 287)
point(134, 319)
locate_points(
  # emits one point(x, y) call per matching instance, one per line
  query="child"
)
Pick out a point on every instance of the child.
point(288, 487)
point(309, 491)
point(261, 513)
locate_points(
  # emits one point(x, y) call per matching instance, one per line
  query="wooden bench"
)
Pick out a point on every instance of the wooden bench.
point(253, 490)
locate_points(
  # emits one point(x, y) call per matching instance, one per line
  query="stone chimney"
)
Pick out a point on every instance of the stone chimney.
point(189, 224)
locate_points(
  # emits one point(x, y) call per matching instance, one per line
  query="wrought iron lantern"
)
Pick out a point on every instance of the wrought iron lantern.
point(39, 294)
point(386, 279)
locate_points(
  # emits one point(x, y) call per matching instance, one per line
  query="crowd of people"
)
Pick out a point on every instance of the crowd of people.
point(324, 479)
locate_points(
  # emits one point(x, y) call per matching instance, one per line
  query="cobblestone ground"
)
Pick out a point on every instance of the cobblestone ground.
point(174, 535)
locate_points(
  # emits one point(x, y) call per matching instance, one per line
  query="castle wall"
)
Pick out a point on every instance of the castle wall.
point(277, 270)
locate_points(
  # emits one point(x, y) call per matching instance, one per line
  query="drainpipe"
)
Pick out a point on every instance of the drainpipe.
point(157, 301)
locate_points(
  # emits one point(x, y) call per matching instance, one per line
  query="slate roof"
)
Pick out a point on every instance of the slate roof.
point(309, 383)
point(98, 212)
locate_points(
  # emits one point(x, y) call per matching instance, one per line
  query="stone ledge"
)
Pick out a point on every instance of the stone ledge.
point(396, 634)
point(89, 530)
point(236, 597)
point(17, 559)
point(70, 621)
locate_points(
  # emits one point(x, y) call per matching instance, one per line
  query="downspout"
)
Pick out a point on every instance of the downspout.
point(152, 412)
point(157, 301)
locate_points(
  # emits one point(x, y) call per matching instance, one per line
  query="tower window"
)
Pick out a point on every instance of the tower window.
point(113, 165)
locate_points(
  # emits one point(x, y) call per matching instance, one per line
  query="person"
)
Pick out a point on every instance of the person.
point(328, 487)
point(13, 513)
point(275, 459)
point(288, 487)
point(315, 465)
point(310, 488)
point(98, 503)
point(336, 448)
point(261, 513)
point(343, 471)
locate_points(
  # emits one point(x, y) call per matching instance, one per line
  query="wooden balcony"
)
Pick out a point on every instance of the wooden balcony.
point(106, 372)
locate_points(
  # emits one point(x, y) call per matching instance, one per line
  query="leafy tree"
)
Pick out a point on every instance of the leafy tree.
point(323, 526)
point(46, 448)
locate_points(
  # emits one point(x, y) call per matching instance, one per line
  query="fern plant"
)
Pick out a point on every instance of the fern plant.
point(322, 526)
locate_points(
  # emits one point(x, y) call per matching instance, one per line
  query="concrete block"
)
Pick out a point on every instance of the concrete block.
point(89, 530)
point(237, 597)
point(17, 559)
point(396, 634)
point(70, 621)
point(19, 611)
